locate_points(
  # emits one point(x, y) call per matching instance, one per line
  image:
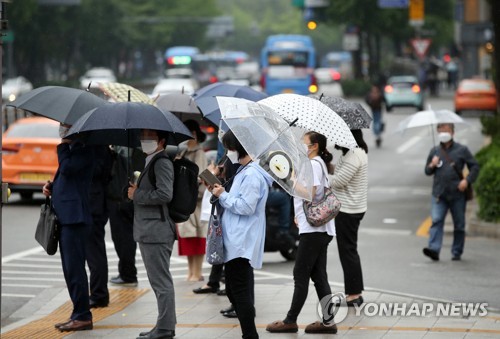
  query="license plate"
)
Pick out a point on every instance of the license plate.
point(287, 90)
point(35, 177)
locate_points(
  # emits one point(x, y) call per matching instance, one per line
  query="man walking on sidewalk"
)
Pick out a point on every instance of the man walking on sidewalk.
point(446, 162)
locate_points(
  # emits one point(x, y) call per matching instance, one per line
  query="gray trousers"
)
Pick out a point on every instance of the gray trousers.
point(156, 258)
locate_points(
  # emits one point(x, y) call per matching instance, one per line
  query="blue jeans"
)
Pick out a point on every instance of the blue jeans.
point(377, 122)
point(438, 213)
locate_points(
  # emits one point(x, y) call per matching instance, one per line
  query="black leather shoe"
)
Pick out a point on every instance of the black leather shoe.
point(158, 334)
point(206, 290)
point(431, 254)
point(456, 258)
point(231, 314)
point(98, 303)
point(228, 309)
point(351, 303)
point(120, 282)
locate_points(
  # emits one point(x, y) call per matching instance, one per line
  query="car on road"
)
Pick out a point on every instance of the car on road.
point(29, 156)
point(94, 76)
point(329, 81)
point(475, 94)
point(15, 87)
point(172, 85)
point(403, 91)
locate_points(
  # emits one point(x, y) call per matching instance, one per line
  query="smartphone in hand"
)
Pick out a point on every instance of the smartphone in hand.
point(209, 178)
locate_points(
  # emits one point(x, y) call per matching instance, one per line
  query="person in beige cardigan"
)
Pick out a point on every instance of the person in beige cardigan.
point(192, 233)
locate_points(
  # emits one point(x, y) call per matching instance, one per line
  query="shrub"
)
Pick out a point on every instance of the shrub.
point(487, 187)
point(487, 152)
point(355, 88)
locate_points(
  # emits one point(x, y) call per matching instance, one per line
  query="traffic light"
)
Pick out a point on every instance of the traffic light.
point(489, 47)
point(311, 25)
point(313, 15)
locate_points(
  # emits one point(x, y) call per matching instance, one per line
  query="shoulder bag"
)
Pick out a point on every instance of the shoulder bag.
point(469, 192)
point(47, 230)
point(320, 212)
point(215, 242)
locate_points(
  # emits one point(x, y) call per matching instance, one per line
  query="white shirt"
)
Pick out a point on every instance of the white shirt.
point(320, 181)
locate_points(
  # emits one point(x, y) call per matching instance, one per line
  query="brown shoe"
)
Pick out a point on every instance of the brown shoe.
point(319, 327)
point(280, 327)
point(77, 325)
point(62, 324)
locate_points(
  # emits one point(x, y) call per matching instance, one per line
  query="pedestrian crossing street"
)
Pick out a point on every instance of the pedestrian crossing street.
point(25, 275)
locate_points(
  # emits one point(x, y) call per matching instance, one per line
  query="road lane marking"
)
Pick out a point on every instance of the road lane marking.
point(18, 295)
point(22, 254)
point(425, 226)
point(26, 286)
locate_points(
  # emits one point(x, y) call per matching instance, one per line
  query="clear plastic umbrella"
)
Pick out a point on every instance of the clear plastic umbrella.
point(270, 142)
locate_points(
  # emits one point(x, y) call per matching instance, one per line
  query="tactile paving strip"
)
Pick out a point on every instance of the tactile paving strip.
point(44, 327)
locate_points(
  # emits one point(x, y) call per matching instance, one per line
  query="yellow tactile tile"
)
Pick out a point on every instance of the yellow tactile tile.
point(44, 327)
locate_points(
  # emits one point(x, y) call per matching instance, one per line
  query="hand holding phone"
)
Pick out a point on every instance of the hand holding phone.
point(209, 178)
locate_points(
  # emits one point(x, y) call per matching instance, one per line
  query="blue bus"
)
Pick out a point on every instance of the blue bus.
point(180, 56)
point(287, 64)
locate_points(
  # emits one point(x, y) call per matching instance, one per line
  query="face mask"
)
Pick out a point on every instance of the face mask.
point(232, 156)
point(444, 137)
point(149, 146)
point(63, 131)
point(183, 145)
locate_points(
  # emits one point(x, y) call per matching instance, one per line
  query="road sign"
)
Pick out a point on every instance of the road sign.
point(420, 46)
point(392, 3)
point(416, 13)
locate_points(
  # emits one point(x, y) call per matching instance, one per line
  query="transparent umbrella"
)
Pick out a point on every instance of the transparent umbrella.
point(270, 142)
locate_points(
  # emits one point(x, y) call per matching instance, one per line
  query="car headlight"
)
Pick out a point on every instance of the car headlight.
point(12, 97)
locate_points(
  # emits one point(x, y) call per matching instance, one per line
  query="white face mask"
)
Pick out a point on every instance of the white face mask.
point(149, 146)
point(183, 145)
point(63, 131)
point(444, 137)
point(232, 156)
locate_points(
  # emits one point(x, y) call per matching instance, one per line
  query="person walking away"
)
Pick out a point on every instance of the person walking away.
point(243, 230)
point(375, 100)
point(96, 246)
point(350, 184)
point(154, 230)
point(121, 212)
point(70, 193)
point(446, 163)
point(193, 233)
point(311, 259)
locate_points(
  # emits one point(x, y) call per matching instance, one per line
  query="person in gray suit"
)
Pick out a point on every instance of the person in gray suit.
point(154, 230)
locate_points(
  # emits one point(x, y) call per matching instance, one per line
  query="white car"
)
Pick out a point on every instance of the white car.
point(15, 87)
point(171, 85)
point(94, 76)
point(329, 82)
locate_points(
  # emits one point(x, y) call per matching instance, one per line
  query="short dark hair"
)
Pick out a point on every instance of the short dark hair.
point(230, 142)
point(452, 126)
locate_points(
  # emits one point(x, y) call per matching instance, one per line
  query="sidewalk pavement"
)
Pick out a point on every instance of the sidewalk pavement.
point(133, 310)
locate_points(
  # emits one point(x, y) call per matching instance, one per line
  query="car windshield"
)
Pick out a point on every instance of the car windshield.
point(33, 131)
point(476, 86)
point(402, 85)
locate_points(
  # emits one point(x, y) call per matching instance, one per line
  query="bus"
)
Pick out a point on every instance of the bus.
point(180, 56)
point(287, 64)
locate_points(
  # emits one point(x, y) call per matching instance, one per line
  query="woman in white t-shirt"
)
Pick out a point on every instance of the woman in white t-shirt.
point(310, 262)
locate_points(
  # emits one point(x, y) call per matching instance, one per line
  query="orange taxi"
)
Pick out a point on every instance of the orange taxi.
point(29, 156)
point(475, 94)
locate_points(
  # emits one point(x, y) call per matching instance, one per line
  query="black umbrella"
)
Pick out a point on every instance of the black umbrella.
point(120, 123)
point(63, 104)
point(353, 113)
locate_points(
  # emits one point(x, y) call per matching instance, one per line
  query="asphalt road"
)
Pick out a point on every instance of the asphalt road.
point(391, 252)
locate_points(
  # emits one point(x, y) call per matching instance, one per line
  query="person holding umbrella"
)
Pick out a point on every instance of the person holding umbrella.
point(70, 194)
point(244, 229)
point(154, 230)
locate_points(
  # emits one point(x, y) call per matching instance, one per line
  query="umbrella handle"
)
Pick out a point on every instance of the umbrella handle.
point(293, 122)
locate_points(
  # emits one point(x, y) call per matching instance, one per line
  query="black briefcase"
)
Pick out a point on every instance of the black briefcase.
point(47, 230)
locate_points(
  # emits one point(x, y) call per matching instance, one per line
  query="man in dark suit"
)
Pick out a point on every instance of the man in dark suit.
point(70, 200)
point(154, 230)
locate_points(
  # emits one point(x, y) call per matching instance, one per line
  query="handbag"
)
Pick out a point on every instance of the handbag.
point(47, 230)
point(320, 212)
point(215, 242)
point(469, 191)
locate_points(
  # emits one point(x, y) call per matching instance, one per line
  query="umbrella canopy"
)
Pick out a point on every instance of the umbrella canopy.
point(270, 142)
point(353, 113)
point(120, 123)
point(122, 92)
point(62, 104)
point(205, 98)
point(312, 115)
point(177, 103)
point(429, 118)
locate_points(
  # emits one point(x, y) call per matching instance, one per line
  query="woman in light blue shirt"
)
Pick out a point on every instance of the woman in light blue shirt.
point(243, 229)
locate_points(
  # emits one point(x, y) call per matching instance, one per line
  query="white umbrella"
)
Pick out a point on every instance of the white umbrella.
point(312, 115)
point(270, 142)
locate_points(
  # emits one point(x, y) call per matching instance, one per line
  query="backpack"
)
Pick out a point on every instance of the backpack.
point(185, 195)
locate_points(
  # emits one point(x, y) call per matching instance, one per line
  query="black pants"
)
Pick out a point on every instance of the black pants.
point(122, 234)
point(215, 276)
point(240, 291)
point(97, 259)
point(310, 263)
point(347, 226)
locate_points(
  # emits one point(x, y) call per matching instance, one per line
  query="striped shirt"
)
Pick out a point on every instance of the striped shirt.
point(350, 181)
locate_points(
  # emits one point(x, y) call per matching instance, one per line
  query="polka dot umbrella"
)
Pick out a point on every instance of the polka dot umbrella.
point(312, 115)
